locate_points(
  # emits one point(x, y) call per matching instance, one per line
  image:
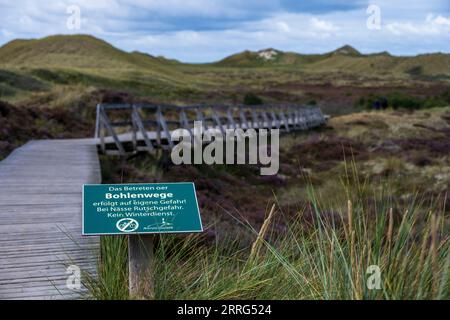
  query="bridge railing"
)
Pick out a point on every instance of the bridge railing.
point(134, 127)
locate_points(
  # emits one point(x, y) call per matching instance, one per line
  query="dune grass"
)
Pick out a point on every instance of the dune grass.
point(370, 247)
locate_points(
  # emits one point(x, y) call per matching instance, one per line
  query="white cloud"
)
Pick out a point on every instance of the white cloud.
point(322, 25)
point(283, 26)
point(430, 26)
point(439, 20)
point(291, 32)
point(7, 34)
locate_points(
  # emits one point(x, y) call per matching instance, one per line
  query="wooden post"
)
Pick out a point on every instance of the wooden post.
point(140, 266)
point(216, 118)
point(158, 128)
point(200, 117)
point(243, 119)
point(284, 120)
point(134, 129)
point(164, 126)
point(97, 121)
point(268, 123)
point(274, 119)
point(138, 124)
point(231, 123)
point(255, 122)
point(106, 123)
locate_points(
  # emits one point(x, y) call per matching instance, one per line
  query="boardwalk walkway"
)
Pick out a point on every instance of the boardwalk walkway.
point(148, 127)
point(40, 217)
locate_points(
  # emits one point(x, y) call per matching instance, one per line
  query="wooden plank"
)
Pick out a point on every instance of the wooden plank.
point(40, 218)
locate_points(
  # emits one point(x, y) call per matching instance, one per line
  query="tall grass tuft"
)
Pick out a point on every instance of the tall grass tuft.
point(111, 280)
point(371, 247)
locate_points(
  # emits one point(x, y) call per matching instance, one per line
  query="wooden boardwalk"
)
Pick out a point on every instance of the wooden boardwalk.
point(40, 218)
point(129, 128)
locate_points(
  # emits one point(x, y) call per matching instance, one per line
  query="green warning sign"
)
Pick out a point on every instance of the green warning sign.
point(140, 208)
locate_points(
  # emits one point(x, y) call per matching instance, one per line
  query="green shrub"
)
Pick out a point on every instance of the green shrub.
point(400, 100)
point(51, 76)
point(404, 101)
point(446, 97)
point(19, 81)
point(415, 71)
point(6, 91)
point(252, 99)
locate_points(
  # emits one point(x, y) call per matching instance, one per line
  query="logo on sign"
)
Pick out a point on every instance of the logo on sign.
point(127, 225)
point(164, 225)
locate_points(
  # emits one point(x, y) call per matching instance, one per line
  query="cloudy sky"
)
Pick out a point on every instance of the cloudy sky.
point(208, 30)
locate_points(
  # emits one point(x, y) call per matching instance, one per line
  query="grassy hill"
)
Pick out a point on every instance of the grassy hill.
point(28, 66)
point(345, 59)
point(266, 58)
point(48, 69)
point(78, 51)
point(272, 57)
point(88, 52)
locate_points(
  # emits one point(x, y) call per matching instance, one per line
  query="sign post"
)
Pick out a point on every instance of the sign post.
point(140, 211)
point(140, 260)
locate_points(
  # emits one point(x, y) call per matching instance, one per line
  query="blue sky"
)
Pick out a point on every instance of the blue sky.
point(208, 30)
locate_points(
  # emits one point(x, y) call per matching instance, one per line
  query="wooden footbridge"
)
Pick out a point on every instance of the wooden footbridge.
point(40, 186)
point(130, 128)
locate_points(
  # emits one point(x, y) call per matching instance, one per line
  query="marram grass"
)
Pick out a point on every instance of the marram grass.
point(368, 250)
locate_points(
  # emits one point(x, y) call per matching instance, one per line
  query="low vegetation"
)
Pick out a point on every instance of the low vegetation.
point(400, 100)
point(19, 124)
point(369, 191)
point(337, 80)
point(368, 251)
